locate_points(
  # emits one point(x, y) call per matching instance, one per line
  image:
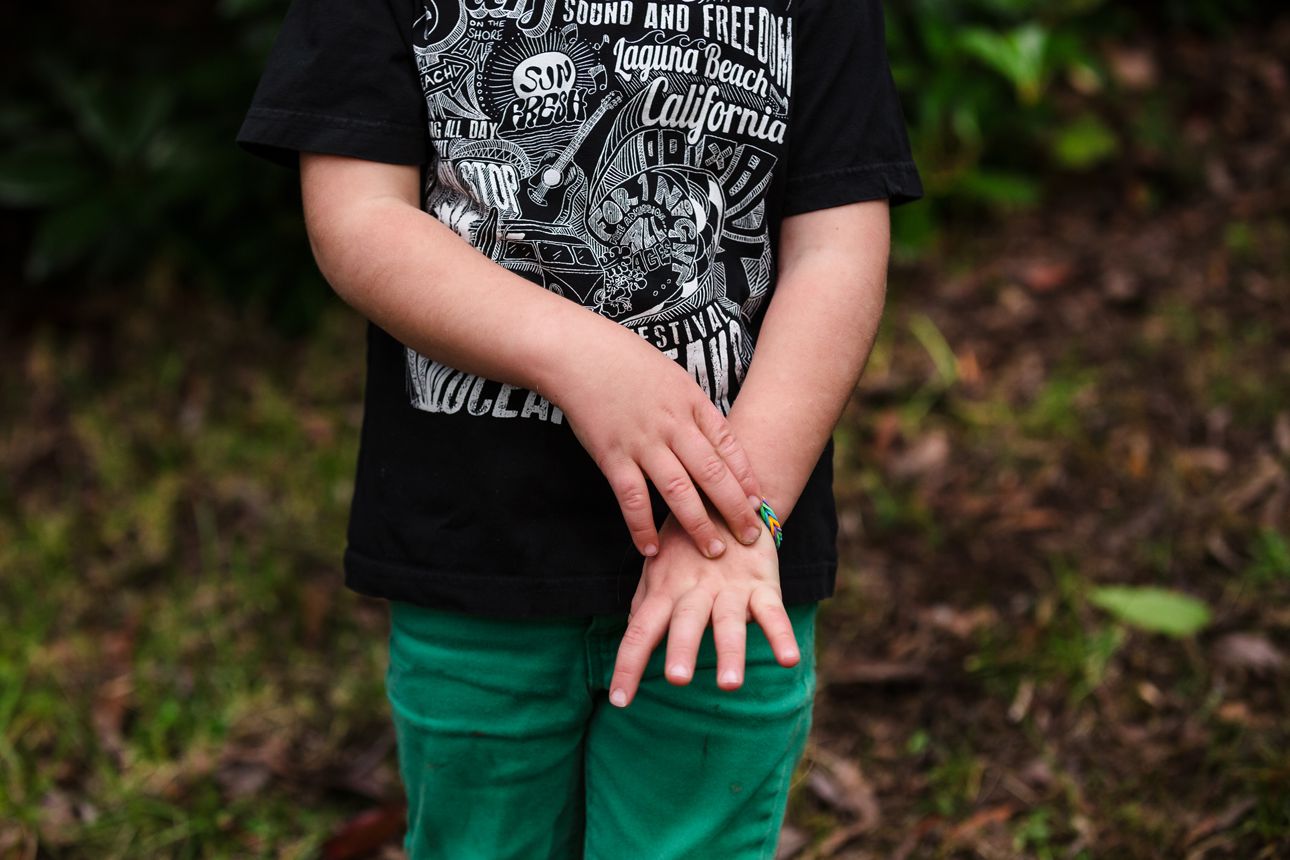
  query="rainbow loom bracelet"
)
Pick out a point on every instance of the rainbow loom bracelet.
point(772, 522)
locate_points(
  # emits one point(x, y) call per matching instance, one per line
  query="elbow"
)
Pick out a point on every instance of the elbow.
point(321, 247)
point(341, 240)
point(352, 208)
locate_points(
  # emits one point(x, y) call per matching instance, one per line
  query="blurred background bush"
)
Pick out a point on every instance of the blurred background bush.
point(1061, 622)
point(131, 110)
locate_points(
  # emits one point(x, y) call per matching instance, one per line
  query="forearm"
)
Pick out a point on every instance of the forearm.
point(430, 289)
point(814, 342)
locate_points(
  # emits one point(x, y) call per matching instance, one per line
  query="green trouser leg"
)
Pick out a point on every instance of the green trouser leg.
point(509, 748)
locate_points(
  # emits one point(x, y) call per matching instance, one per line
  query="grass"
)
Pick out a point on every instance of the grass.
point(1270, 558)
point(181, 676)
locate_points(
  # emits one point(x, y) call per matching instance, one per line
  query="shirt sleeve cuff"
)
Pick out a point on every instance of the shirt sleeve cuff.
point(897, 181)
point(279, 135)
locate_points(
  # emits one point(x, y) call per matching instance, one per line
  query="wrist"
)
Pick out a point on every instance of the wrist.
point(573, 338)
point(772, 521)
point(554, 348)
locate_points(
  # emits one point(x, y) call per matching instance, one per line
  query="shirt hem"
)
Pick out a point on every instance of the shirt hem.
point(519, 596)
point(279, 135)
point(897, 181)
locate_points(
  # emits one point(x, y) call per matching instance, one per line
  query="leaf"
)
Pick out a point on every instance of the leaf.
point(941, 353)
point(117, 123)
point(1157, 610)
point(1020, 55)
point(1000, 188)
point(66, 235)
point(42, 174)
point(1085, 142)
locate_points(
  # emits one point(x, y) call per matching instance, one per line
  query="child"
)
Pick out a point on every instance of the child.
point(572, 224)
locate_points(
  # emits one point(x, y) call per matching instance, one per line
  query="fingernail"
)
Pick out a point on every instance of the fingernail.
point(754, 501)
point(716, 548)
point(678, 671)
point(750, 536)
point(730, 676)
point(650, 549)
point(619, 698)
point(791, 654)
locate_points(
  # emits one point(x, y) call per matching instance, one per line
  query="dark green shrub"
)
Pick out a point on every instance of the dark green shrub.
point(118, 142)
point(125, 160)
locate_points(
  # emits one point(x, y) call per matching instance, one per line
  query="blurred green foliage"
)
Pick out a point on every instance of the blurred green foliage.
point(1001, 96)
point(170, 623)
point(1154, 609)
point(124, 158)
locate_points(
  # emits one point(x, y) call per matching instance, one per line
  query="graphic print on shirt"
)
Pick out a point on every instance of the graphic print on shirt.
point(618, 153)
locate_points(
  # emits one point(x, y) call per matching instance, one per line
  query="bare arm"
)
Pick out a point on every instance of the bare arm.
point(814, 342)
point(429, 288)
point(424, 284)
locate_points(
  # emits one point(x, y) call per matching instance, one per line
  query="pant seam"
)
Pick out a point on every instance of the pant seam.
point(806, 690)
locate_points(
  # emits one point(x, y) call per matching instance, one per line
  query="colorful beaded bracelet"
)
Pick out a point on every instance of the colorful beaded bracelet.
point(772, 522)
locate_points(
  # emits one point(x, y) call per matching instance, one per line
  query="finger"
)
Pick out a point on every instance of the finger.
point(630, 489)
point(730, 634)
point(673, 483)
point(716, 427)
point(689, 620)
point(639, 640)
point(720, 485)
point(768, 609)
point(642, 591)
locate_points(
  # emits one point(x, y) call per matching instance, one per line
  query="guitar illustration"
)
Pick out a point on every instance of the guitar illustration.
point(554, 173)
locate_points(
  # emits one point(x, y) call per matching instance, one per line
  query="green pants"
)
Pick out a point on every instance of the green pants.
point(509, 748)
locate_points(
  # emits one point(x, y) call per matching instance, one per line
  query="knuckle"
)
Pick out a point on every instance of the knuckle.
point(766, 596)
point(610, 461)
point(729, 614)
point(724, 439)
point(633, 498)
point(706, 412)
point(636, 636)
point(677, 485)
point(668, 416)
point(687, 610)
point(712, 469)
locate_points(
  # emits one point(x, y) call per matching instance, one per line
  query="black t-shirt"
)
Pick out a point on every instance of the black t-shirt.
point(635, 157)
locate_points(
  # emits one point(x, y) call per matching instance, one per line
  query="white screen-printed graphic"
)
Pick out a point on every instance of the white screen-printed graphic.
point(618, 153)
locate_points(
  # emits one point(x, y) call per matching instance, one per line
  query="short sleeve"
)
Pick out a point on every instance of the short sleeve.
point(847, 139)
point(340, 78)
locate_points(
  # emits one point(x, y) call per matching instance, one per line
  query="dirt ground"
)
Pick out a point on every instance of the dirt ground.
point(1110, 404)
